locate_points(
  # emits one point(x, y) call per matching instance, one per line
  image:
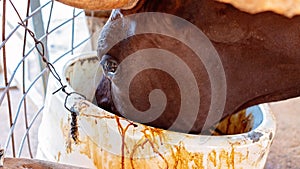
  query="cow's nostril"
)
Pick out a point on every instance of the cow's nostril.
point(103, 101)
point(105, 104)
point(103, 96)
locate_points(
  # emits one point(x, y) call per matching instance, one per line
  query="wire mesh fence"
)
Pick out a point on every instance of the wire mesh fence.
point(35, 36)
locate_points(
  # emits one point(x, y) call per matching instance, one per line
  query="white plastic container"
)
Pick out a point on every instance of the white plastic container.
point(108, 141)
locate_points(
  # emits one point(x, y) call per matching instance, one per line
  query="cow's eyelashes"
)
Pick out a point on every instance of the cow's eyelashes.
point(109, 66)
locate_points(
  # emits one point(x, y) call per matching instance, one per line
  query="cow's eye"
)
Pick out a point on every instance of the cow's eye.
point(109, 65)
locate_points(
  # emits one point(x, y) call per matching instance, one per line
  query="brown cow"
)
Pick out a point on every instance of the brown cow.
point(260, 56)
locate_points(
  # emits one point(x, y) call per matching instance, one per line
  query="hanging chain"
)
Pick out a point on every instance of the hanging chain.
point(41, 50)
point(72, 97)
point(1, 157)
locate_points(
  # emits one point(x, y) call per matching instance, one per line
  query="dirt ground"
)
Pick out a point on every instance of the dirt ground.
point(285, 150)
point(19, 130)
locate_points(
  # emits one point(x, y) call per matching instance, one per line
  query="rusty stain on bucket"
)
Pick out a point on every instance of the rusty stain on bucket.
point(108, 141)
point(179, 157)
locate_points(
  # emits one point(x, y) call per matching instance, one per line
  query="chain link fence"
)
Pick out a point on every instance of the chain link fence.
point(35, 36)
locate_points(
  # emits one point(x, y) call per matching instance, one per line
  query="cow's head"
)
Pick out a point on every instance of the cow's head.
point(160, 110)
point(258, 53)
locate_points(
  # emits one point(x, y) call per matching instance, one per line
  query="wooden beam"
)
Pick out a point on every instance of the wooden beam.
point(13, 163)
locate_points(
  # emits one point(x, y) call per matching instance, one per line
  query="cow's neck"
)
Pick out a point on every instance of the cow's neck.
point(260, 53)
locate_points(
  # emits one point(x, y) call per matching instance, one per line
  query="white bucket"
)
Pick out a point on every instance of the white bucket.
point(108, 141)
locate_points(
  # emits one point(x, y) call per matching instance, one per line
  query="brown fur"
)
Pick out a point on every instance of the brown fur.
point(260, 54)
